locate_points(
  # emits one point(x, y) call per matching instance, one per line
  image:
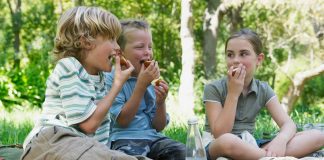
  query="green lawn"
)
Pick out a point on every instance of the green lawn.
point(15, 126)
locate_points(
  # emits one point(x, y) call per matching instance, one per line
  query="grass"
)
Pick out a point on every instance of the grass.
point(15, 126)
point(13, 133)
point(178, 133)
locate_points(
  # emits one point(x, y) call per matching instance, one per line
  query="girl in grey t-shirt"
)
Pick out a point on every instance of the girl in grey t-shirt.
point(233, 102)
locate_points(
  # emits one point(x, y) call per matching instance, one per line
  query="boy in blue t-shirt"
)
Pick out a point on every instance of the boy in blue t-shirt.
point(139, 112)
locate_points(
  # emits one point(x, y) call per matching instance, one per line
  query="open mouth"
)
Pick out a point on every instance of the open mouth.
point(146, 62)
point(142, 61)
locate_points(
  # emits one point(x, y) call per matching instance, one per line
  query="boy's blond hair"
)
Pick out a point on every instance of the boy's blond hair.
point(80, 26)
point(130, 25)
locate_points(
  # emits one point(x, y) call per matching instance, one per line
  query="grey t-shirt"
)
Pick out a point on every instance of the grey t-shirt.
point(248, 106)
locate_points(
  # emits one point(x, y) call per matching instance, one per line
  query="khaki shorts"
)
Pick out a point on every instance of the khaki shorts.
point(63, 144)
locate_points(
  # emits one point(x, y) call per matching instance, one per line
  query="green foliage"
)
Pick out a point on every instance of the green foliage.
point(281, 87)
point(277, 22)
point(38, 31)
point(266, 72)
point(264, 126)
point(290, 48)
point(314, 92)
point(304, 114)
point(8, 93)
point(26, 85)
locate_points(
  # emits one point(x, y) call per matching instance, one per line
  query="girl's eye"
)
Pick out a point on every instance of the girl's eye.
point(244, 53)
point(229, 55)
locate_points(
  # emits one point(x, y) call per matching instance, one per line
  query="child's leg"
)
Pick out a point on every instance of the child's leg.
point(55, 141)
point(132, 146)
point(100, 151)
point(231, 146)
point(166, 148)
point(304, 143)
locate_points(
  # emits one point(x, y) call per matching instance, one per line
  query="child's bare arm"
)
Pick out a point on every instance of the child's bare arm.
point(221, 118)
point(277, 147)
point(91, 124)
point(129, 110)
point(160, 119)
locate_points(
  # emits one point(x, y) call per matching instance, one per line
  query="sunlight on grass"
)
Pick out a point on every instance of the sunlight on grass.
point(177, 128)
point(15, 126)
point(178, 115)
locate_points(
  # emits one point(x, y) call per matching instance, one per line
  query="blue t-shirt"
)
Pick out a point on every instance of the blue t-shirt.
point(141, 125)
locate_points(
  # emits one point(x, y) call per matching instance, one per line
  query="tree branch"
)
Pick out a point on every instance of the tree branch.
point(300, 77)
point(11, 10)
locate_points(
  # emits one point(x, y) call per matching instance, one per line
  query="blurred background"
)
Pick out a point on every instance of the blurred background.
point(188, 39)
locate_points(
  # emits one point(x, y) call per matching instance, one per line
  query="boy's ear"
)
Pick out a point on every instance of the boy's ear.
point(86, 44)
point(260, 58)
point(89, 45)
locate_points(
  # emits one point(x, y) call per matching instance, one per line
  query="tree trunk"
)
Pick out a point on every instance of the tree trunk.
point(16, 27)
point(186, 91)
point(212, 18)
point(235, 16)
point(297, 86)
point(60, 7)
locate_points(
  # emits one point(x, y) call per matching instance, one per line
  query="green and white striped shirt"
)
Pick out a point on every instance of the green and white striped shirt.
point(70, 98)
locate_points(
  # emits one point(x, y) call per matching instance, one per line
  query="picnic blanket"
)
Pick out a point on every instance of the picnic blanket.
point(10, 152)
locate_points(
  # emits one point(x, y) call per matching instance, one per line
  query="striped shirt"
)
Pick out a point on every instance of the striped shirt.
point(70, 98)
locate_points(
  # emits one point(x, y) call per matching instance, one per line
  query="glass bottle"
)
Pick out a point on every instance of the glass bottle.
point(194, 146)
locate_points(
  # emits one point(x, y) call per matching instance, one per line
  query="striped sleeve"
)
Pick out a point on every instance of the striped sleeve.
point(77, 95)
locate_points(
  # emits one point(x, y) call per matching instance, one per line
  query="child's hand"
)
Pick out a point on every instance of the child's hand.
point(236, 80)
point(122, 75)
point(275, 148)
point(161, 92)
point(148, 74)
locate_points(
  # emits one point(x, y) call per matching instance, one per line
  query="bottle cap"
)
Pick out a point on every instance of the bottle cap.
point(193, 120)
